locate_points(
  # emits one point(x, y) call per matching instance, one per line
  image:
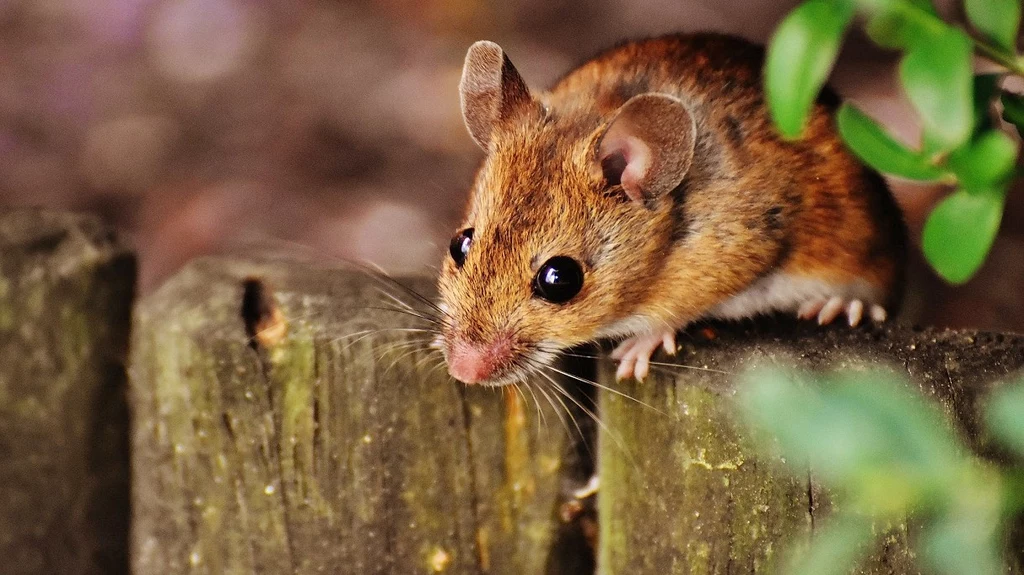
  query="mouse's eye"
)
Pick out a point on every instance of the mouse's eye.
point(558, 280)
point(460, 246)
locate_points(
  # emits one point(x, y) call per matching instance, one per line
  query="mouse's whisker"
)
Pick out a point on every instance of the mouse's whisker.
point(605, 388)
point(397, 360)
point(361, 335)
point(407, 307)
point(383, 277)
point(393, 298)
point(541, 416)
point(431, 320)
point(430, 355)
point(517, 393)
point(591, 413)
point(558, 391)
point(417, 344)
point(560, 414)
point(657, 363)
point(375, 331)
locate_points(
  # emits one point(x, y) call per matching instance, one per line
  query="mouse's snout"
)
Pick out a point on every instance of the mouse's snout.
point(473, 362)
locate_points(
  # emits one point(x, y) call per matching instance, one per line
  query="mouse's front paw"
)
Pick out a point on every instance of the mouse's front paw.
point(827, 310)
point(634, 354)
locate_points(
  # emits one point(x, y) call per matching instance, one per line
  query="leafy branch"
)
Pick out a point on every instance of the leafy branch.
point(889, 454)
point(963, 143)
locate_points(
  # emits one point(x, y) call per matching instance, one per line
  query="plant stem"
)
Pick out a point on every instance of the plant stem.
point(1008, 61)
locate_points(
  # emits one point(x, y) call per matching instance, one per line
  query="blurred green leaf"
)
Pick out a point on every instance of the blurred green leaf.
point(808, 431)
point(985, 162)
point(1013, 110)
point(956, 544)
point(959, 232)
point(865, 433)
point(1005, 416)
point(937, 78)
point(835, 548)
point(920, 435)
point(925, 5)
point(872, 144)
point(986, 86)
point(998, 20)
point(898, 24)
point(800, 55)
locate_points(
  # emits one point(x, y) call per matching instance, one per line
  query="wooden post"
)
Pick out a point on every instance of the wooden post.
point(65, 299)
point(290, 419)
point(682, 491)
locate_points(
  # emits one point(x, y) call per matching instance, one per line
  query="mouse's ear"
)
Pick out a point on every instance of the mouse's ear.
point(491, 90)
point(647, 146)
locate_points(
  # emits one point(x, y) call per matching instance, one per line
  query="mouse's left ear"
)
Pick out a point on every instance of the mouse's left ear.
point(647, 146)
point(491, 91)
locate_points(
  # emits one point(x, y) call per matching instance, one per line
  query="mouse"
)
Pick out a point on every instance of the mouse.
point(645, 190)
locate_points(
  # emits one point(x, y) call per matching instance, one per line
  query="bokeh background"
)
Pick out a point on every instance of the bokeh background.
point(332, 128)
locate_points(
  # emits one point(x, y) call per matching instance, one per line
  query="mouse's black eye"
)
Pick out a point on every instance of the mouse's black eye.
point(558, 280)
point(460, 246)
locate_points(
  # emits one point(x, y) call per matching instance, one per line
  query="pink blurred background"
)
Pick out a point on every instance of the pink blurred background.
point(197, 125)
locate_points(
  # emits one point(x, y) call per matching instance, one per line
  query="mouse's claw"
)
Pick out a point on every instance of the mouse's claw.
point(827, 310)
point(634, 354)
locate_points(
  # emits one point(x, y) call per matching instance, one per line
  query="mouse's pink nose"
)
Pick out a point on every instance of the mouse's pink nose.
point(473, 363)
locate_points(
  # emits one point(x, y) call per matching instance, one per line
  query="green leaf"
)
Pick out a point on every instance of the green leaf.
point(899, 25)
point(800, 55)
point(959, 232)
point(985, 162)
point(1005, 416)
point(919, 434)
point(925, 5)
point(985, 88)
point(1013, 110)
point(998, 20)
point(963, 543)
point(872, 144)
point(857, 431)
point(836, 548)
point(937, 78)
point(780, 406)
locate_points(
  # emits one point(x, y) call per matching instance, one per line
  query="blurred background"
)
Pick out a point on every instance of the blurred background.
point(332, 128)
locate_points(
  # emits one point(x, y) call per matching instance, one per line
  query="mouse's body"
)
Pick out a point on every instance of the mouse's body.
point(646, 190)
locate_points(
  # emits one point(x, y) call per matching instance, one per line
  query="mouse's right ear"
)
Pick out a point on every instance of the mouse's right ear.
point(491, 91)
point(647, 147)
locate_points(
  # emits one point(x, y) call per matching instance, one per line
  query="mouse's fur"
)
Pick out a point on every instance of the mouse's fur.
point(753, 218)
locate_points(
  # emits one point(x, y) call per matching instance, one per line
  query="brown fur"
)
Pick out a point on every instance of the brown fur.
point(750, 203)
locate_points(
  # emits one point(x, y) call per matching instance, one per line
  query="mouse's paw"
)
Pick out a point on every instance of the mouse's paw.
point(827, 310)
point(634, 354)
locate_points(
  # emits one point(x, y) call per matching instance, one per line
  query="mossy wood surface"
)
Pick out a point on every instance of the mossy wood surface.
point(682, 490)
point(65, 299)
point(331, 442)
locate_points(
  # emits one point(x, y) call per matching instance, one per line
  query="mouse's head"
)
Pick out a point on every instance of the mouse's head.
point(568, 220)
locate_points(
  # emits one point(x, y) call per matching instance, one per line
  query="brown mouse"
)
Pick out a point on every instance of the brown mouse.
point(648, 189)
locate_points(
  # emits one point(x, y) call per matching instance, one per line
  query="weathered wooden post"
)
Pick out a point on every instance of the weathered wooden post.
point(682, 490)
point(66, 289)
point(290, 419)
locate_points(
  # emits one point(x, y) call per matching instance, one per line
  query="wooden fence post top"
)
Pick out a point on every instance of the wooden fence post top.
point(290, 418)
point(66, 289)
point(58, 236)
point(684, 491)
point(926, 354)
